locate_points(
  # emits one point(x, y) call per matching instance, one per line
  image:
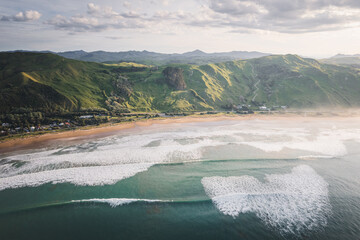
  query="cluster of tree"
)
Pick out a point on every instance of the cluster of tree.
point(23, 119)
point(130, 69)
point(92, 121)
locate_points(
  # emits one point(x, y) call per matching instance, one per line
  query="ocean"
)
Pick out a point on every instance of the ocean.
point(253, 179)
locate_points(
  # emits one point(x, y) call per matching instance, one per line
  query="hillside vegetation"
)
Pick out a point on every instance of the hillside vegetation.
point(50, 83)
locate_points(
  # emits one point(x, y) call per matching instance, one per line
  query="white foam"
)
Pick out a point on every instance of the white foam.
point(96, 163)
point(311, 138)
point(114, 202)
point(100, 175)
point(323, 144)
point(290, 202)
point(185, 144)
point(311, 157)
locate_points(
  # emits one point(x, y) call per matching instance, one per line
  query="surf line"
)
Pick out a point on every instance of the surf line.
point(112, 202)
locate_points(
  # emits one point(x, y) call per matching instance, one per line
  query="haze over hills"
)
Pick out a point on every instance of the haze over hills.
point(345, 55)
point(196, 57)
point(47, 82)
point(343, 59)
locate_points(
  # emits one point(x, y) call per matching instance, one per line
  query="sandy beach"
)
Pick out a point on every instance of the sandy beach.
point(108, 129)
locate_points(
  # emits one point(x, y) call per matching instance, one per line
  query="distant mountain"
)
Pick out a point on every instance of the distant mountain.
point(49, 83)
point(195, 53)
point(343, 59)
point(196, 57)
point(73, 54)
point(345, 55)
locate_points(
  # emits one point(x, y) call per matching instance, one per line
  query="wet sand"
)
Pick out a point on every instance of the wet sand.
point(108, 130)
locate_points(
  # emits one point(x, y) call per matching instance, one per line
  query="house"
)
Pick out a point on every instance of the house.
point(240, 106)
point(86, 116)
point(263, 108)
point(6, 125)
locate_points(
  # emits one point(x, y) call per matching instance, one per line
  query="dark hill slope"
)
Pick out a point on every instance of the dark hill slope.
point(49, 82)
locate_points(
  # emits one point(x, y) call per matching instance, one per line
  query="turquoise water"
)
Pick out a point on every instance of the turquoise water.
point(221, 180)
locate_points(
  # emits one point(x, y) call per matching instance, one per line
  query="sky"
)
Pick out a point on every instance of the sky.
point(313, 28)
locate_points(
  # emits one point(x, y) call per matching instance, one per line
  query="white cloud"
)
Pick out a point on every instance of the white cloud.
point(99, 18)
point(234, 7)
point(30, 15)
point(76, 23)
point(106, 12)
point(244, 16)
point(284, 15)
point(126, 4)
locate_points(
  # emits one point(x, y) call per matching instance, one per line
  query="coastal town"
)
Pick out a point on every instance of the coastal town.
point(22, 124)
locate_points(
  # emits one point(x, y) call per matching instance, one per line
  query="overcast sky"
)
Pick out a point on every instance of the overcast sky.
point(316, 28)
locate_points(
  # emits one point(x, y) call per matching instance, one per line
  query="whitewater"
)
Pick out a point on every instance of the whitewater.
point(289, 178)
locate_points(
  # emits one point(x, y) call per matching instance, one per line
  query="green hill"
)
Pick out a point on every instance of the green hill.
point(47, 82)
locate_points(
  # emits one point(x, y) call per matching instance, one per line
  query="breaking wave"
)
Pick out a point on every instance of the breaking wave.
point(114, 202)
point(104, 162)
point(112, 159)
point(289, 202)
point(100, 175)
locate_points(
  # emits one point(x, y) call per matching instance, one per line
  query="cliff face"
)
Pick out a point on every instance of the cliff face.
point(174, 77)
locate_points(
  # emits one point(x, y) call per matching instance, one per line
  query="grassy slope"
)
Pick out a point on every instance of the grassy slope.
point(32, 79)
point(50, 81)
point(280, 80)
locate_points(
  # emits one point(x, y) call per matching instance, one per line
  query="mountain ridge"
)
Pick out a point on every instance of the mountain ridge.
point(48, 82)
point(196, 57)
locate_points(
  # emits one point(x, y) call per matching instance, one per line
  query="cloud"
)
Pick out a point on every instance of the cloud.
point(131, 14)
point(284, 15)
point(126, 4)
point(86, 24)
point(96, 10)
point(76, 23)
point(165, 2)
point(26, 16)
point(236, 16)
point(117, 37)
point(97, 18)
point(234, 7)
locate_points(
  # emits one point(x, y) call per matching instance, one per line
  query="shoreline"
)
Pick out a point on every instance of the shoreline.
point(107, 129)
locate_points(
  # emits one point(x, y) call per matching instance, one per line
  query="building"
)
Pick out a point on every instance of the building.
point(86, 116)
point(263, 108)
